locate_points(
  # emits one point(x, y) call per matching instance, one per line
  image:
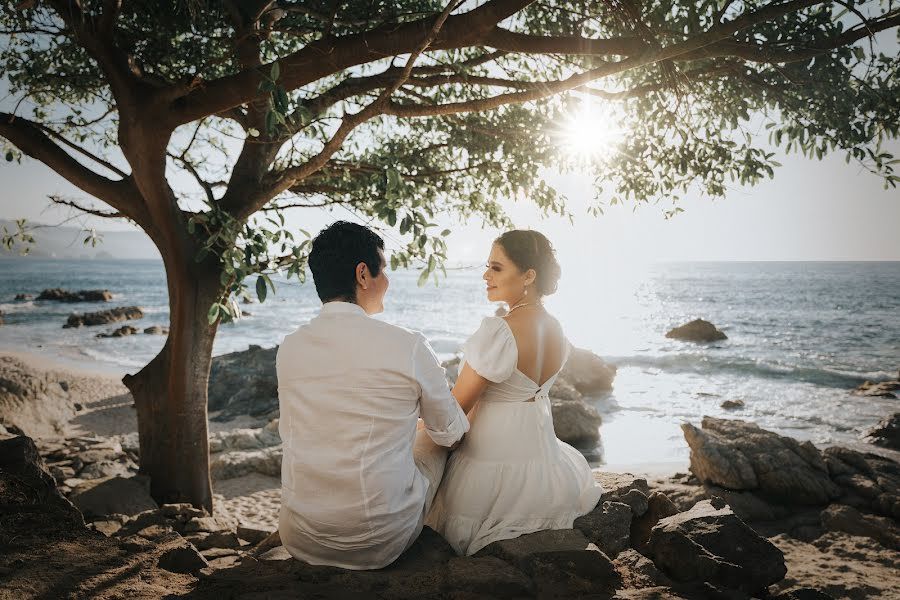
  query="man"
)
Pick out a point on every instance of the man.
point(357, 478)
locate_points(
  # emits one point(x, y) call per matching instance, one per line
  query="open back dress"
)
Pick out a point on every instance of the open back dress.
point(511, 475)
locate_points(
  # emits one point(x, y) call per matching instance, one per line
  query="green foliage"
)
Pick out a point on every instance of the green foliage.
point(19, 236)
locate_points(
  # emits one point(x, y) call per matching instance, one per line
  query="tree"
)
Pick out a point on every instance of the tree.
point(401, 111)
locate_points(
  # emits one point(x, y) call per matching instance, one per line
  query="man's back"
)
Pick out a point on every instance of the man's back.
point(351, 389)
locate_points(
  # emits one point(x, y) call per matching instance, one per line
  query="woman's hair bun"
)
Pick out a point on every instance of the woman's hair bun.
point(532, 250)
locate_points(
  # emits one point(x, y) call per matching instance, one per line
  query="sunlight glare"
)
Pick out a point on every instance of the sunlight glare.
point(592, 130)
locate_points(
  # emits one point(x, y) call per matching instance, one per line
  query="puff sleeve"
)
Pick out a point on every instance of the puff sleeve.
point(491, 351)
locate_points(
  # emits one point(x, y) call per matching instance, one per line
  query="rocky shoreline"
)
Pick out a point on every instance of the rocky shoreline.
point(758, 515)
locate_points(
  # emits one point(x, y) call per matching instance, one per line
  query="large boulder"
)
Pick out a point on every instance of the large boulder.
point(887, 432)
point(61, 295)
point(709, 543)
point(33, 401)
point(587, 372)
point(608, 526)
point(575, 421)
point(698, 330)
point(741, 456)
point(104, 317)
point(113, 495)
point(838, 517)
point(244, 383)
point(866, 481)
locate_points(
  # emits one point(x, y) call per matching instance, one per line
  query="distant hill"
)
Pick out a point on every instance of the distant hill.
point(67, 243)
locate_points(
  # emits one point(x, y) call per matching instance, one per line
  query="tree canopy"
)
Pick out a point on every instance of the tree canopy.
point(405, 110)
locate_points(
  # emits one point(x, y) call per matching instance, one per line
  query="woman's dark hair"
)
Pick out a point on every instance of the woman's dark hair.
point(532, 250)
point(335, 253)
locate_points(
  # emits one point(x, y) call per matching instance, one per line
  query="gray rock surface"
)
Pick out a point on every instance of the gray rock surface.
point(228, 465)
point(866, 481)
point(156, 330)
point(740, 456)
point(658, 507)
point(709, 543)
point(575, 421)
point(608, 526)
point(183, 559)
point(879, 389)
point(124, 330)
point(887, 432)
point(698, 331)
point(587, 372)
point(839, 517)
point(104, 317)
point(114, 495)
point(244, 383)
point(31, 400)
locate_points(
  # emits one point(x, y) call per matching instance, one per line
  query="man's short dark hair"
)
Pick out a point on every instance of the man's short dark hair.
point(335, 253)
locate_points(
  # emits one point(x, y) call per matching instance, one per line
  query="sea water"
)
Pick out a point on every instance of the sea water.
point(800, 337)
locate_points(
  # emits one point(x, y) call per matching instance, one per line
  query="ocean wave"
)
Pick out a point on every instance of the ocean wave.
point(13, 307)
point(695, 363)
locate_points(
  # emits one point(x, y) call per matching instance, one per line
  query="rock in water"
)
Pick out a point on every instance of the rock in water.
point(709, 543)
point(588, 372)
point(122, 331)
point(104, 317)
point(575, 421)
point(741, 456)
point(881, 389)
point(156, 330)
point(698, 330)
point(61, 295)
point(887, 432)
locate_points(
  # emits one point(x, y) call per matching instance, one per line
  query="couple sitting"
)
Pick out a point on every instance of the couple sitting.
point(361, 475)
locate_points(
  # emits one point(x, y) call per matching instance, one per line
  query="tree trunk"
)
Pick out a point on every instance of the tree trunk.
point(170, 392)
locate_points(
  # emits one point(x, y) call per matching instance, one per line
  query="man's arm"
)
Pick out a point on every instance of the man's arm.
point(444, 420)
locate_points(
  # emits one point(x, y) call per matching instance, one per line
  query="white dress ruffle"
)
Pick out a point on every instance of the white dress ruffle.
point(511, 475)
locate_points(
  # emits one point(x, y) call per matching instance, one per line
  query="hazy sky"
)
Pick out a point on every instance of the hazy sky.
point(812, 210)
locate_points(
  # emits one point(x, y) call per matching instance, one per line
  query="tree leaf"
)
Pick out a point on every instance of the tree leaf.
point(423, 277)
point(213, 313)
point(261, 288)
point(275, 72)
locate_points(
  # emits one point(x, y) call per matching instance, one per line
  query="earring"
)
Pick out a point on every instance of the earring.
point(526, 292)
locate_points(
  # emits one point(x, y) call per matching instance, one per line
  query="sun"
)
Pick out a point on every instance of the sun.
point(591, 131)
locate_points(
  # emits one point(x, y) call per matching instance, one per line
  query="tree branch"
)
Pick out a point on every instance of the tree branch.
point(31, 139)
point(56, 199)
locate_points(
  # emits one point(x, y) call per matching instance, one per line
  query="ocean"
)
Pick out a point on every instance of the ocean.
point(800, 337)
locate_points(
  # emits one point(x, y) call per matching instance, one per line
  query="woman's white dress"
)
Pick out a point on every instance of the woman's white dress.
point(511, 475)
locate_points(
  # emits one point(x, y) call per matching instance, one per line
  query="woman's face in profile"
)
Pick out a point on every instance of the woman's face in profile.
point(505, 283)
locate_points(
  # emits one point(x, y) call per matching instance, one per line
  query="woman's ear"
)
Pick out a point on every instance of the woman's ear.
point(530, 276)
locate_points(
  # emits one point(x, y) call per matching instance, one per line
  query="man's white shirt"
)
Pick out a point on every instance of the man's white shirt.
point(351, 389)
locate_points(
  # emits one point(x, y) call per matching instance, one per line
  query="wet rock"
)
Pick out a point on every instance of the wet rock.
point(838, 517)
point(658, 507)
point(184, 559)
point(119, 495)
point(61, 295)
point(104, 317)
point(887, 432)
point(732, 404)
point(23, 297)
point(123, 331)
point(709, 543)
point(31, 401)
point(607, 526)
point(587, 372)
point(880, 389)
point(156, 330)
point(575, 422)
point(698, 330)
point(741, 456)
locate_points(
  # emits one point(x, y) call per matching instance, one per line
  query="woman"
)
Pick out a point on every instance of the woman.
point(510, 475)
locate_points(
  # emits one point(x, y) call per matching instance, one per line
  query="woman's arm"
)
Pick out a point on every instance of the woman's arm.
point(468, 388)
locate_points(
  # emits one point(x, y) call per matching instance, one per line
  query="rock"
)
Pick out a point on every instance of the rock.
point(617, 486)
point(228, 465)
point(246, 313)
point(244, 439)
point(881, 389)
point(741, 456)
point(866, 481)
point(120, 332)
point(575, 422)
point(838, 517)
point(104, 317)
point(107, 527)
point(22, 297)
point(698, 330)
point(32, 401)
point(108, 468)
point(709, 543)
point(887, 432)
point(278, 553)
point(557, 557)
point(182, 513)
point(126, 496)
point(732, 404)
point(607, 526)
point(244, 383)
point(252, 535)
point(658, 507)
point(61, 295)
point(219, 539)
point(210, 524)
point(487, 576)
point(156, 330)
point(184, 559)
point(802, 594)
point(587, 372)
point(638, 571)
